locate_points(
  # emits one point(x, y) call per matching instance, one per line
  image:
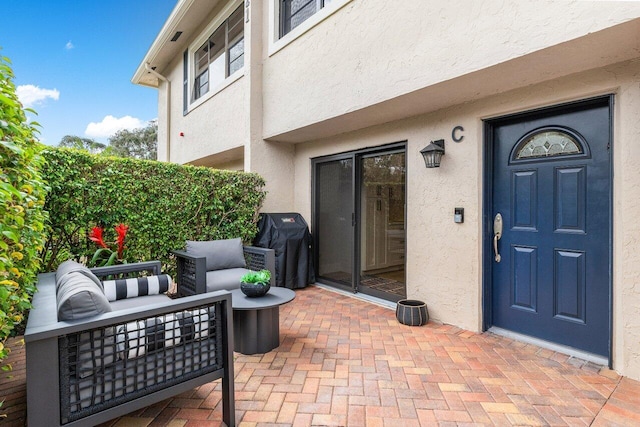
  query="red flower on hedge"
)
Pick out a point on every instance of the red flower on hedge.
point(96, 236)
point(105, 255)
point(121, 231)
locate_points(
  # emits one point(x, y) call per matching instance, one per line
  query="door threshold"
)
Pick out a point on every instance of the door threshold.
point(363, 297)
point(569, 351)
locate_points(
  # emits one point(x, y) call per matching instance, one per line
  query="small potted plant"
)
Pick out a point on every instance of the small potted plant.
point(256, 283)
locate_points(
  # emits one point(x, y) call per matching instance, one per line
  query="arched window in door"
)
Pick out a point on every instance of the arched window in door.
point(549, 142)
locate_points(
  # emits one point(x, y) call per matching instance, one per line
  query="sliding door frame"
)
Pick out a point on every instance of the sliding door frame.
point(315, 221)
point(356, 223)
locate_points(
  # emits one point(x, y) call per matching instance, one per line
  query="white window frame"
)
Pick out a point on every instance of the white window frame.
point(224, 14)
point(276, 43)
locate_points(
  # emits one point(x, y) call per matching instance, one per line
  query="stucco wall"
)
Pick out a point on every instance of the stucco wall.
point(273, 161)
point(371, 51)
point(444, 259)
point(626, 225)
point(163, 122)
point(217, 125)
point(236, 165)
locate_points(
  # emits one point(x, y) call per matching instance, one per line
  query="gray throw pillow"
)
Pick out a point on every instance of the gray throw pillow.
point(220, 254)
point(70, 266)
point(79, 297)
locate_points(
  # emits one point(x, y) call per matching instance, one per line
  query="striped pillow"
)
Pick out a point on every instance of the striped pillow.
point(135, 339)
point(136, 287)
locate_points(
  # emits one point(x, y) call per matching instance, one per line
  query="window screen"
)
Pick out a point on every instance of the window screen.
point(221, 55)
point(295, 12)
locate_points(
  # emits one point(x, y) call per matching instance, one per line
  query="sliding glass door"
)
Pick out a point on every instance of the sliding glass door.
point(359, 221)
point(334, 221)
point(381, 225)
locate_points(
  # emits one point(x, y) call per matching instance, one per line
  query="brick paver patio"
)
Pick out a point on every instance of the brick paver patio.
point(347, 362)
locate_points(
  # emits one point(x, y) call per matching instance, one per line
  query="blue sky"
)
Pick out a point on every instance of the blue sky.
point(73, 61)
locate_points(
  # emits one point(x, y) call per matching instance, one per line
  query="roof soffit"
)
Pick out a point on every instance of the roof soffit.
point(188, 16)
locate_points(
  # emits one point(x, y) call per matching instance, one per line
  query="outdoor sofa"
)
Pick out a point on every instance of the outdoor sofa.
point(208, 266)
point(90, 360)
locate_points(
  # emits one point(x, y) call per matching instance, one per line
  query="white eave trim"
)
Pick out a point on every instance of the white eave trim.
point(164, 36)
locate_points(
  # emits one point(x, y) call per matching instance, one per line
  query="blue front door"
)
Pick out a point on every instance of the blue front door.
point(551, 184)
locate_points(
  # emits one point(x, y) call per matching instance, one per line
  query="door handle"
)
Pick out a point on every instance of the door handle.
point(497, 235)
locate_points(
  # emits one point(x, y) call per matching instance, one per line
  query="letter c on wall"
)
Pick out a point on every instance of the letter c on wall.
point(455, 134)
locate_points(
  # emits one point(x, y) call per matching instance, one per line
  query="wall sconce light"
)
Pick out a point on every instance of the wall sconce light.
point(432, 153)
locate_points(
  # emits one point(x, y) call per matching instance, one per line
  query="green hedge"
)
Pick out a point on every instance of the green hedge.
point(163, 204)
point(22, 195)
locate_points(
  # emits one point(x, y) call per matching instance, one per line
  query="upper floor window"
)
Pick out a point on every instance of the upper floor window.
point(221, 55)
point(295, 12)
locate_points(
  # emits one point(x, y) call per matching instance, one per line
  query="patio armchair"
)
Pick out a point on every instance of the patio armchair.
point(99, 349)
point(208, 266)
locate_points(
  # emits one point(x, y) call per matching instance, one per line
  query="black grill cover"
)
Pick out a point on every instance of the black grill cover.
point(288, 235)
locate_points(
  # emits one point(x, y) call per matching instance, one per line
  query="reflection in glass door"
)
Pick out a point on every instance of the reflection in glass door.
point(359, 221)
point(382, 225)
point(333, 221)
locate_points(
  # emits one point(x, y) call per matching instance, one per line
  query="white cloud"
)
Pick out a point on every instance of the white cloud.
point(110, 125)
point(31, 95)
point(69, 45)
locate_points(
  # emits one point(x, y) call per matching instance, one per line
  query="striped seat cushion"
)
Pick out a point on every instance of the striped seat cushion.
point(136, 287)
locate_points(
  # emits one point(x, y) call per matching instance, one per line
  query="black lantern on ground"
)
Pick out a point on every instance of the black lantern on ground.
point(433, 153)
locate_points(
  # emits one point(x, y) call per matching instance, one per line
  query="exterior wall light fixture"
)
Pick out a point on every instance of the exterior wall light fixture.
point(433, 153)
